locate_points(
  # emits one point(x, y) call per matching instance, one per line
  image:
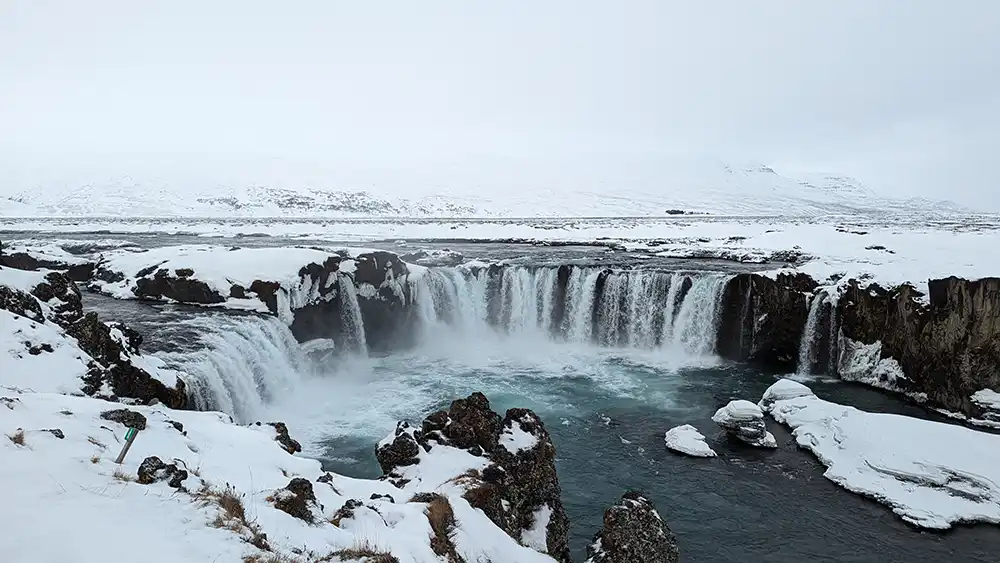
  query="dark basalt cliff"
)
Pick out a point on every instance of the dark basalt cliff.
point(948, 348)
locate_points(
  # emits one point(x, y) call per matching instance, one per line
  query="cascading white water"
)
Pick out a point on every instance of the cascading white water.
point(697, 323)
point(807, 345)
point(351, 318)
point(241, 363)
point(634, 308)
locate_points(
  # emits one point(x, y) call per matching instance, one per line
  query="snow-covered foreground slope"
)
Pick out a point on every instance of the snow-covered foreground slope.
point(931, 474)
point(577, 188)
point(65, 485)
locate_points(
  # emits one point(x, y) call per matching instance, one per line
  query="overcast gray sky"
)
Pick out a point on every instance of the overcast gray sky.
point(903, 94)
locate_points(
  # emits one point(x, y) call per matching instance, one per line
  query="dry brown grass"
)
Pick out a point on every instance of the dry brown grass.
point(232, 514)
point(267, 558)
point(95, 459)
point(362, 551)
point(120, 475)
point(17, 437)
point(97, 442)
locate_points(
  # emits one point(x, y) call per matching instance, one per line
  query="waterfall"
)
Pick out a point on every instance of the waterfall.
point(635, 308)
point(241, 362)
point(807, 345)
point(350, 313)
point(697, 322)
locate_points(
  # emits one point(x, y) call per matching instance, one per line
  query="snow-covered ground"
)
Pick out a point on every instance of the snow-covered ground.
point(74, 488)
point(890, 250)
point(581, 187)
point(931, 474)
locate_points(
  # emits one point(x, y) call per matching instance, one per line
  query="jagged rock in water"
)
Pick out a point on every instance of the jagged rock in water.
point(298, 500)
point(152, 469)
point(948, 349)
point(129, 418)
point(111, 345)
point(519, 489)
point(745, 421)
point(762, 319)
point(288, 443)
point(633, 532)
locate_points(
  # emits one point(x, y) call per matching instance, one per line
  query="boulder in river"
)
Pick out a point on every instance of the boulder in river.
point(633, 532)
point(745, 421)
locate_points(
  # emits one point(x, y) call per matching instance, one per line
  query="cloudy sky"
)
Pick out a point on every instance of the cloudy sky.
point(902, 94)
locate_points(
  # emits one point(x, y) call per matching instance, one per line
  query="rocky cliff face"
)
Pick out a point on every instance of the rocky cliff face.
point(762, 319)
point(948, 349)
point(944, 348)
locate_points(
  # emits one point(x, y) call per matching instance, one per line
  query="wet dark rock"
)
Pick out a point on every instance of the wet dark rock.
point(182, 289)
point(744, 421)
point(633, 532)
point(184, 272)
point(129, 418)
point(400, 452)
point(177, 426)
point(38, 349)
point(60, 293)
point(55, 432)
point(762, 320)
point(26, 261)
point(346, 512)
point(389, 321)
point(20, 303)
point(297, 499)
point(519, 481)
point(111, 345)
point(289, 444)
point(948, 348)
point(153, 469)
point(387, 498)
point(237, 291)
point(325, 478)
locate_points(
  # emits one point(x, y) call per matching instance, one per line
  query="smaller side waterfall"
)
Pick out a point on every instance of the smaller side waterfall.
point(351, 318)
point(808, 345)
point(241, 363)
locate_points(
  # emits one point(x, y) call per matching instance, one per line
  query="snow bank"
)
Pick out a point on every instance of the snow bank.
point(38, 355)
point(91, 506)
point(687, 440)
point(931, 474)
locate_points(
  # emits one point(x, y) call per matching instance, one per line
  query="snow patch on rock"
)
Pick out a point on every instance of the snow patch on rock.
point(687, 440)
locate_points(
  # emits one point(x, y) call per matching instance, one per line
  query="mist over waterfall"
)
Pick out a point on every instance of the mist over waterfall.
point(636, 308)
point(241, 362)
point(808, 346)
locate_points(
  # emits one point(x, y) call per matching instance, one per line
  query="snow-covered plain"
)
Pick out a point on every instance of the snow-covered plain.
point(931, 474)
point(582, 187)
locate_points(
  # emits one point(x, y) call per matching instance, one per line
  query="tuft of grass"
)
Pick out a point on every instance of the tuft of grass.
point(17, 437)
point(120, 475)
point(97, 442)
point(362, 551)
point(232, 514)
point(442, 520)
point(267, 558)
point(95, 459)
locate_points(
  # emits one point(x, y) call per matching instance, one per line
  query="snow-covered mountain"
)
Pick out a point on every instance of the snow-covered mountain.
point(589, 190)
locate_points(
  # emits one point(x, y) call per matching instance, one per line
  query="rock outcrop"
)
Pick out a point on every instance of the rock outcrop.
point(153, 469)
point(298, 500)
point(948, 349)
point(744, 421)
point(633, 531)
point(518, 489)
point(111, 345)
point(77, 270)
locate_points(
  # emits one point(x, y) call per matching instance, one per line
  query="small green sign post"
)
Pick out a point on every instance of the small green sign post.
point(130, 435)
